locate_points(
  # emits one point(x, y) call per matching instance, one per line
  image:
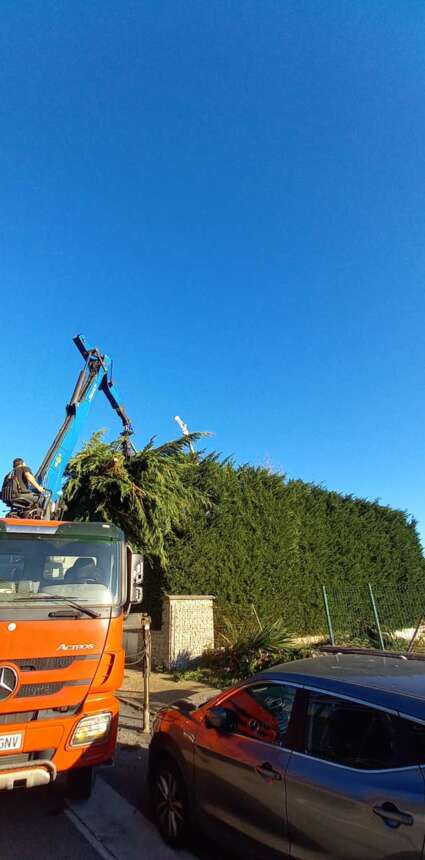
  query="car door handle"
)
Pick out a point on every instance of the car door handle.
point(393, 816)
point(268, 772)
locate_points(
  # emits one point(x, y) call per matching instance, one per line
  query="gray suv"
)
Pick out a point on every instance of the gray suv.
point(317, 758)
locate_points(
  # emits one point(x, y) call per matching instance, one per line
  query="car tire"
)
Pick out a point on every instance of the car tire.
point(81, 782)
point(170, 802)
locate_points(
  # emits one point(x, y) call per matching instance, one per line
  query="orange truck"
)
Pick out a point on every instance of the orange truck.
point(65, 589)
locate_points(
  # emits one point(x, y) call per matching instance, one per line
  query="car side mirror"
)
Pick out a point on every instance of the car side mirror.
point(220, 719)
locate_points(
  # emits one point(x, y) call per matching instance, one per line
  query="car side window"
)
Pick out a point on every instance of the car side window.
point(414, 734)
point(354, 735)
point(262, 711)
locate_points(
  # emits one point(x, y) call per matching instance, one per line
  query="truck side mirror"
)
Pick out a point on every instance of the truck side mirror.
point(136, 578)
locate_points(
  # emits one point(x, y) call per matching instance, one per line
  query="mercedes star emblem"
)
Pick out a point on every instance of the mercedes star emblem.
point(8, 681)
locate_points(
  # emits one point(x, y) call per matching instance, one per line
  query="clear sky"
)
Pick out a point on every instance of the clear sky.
point(227, 197)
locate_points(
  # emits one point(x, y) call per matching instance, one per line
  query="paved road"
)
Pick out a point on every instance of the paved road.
point(42, 823)
point(114, 824)
point(39, 823)
point(34, 824)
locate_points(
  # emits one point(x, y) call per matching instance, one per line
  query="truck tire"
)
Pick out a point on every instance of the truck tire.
point(81, 782)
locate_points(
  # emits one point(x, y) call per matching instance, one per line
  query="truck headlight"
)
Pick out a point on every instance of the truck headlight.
point(93, 729)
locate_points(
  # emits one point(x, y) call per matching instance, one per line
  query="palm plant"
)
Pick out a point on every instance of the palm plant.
point(257, 645)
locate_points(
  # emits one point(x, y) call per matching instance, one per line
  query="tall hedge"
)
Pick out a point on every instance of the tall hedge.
point(274, 543)
point(241, 533)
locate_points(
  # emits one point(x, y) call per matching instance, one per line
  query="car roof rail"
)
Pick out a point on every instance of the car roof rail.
point(371, 652)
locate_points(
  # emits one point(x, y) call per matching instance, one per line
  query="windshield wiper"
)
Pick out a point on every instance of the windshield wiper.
point(63, 599)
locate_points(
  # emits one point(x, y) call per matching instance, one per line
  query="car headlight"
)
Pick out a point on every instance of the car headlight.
point(93, 729)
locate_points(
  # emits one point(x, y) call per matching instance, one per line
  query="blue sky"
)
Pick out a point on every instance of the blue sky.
point(228, 197)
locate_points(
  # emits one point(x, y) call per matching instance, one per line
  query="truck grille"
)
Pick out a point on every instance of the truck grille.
point(28, 690)
point(49, 689)
point(45, 664)
point(28, 665)
point(24, 717)
point(23, 758)
point(40, 664)
point(44, 714)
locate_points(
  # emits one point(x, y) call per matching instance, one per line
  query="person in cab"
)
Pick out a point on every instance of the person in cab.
point(20, 486)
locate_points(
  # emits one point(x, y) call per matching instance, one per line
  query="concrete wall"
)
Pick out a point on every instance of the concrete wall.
point(187, 630)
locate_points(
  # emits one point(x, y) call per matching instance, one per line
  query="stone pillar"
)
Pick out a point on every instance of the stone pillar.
point(187, 630)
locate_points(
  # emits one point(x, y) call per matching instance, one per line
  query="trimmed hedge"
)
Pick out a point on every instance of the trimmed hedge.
point(273, 544)
point(241, 533)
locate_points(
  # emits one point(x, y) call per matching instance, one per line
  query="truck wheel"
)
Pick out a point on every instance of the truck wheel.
point(169, 801)
point(81, 782)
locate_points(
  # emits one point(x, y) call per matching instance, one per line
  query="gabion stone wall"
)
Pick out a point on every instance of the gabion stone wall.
point(187, 630)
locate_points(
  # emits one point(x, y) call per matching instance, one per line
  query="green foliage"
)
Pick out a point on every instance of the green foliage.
point(149, 495)
point(274, 543)
point(245, 546)
point(241, 533)
point(252, 649)
point(226, 667)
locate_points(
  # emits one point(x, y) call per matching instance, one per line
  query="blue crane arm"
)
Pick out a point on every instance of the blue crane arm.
point(94, 377)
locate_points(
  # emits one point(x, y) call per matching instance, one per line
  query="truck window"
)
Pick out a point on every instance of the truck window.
point(86, 571)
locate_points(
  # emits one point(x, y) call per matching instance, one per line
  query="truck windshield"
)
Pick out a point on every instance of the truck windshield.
point(85, 571)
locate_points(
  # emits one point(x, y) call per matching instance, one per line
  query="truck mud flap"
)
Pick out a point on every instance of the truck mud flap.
point(27, 775)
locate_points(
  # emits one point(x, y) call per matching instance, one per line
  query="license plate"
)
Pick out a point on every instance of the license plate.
point(11, 742)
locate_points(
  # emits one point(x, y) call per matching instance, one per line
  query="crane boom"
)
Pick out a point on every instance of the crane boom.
point(95, 376)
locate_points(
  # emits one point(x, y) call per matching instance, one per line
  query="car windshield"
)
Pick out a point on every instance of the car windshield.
point(36, 568)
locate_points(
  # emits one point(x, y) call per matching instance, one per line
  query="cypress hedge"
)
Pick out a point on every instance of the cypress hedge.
point(274, 543)
point(247, 536)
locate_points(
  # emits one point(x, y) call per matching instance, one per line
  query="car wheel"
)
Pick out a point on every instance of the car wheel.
point(169, 801)
point(81, 782)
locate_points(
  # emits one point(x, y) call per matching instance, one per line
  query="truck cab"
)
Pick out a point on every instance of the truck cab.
point(65, 589)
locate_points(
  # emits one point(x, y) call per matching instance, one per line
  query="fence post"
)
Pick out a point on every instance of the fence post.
point(376, 617)
point(328, 615)
point(147, 643)
point(412, 641)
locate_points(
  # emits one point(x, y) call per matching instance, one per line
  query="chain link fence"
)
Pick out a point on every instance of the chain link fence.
point(364, 616)
point(376, 616)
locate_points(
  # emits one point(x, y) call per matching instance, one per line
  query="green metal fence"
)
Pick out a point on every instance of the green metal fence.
point(376, 616)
